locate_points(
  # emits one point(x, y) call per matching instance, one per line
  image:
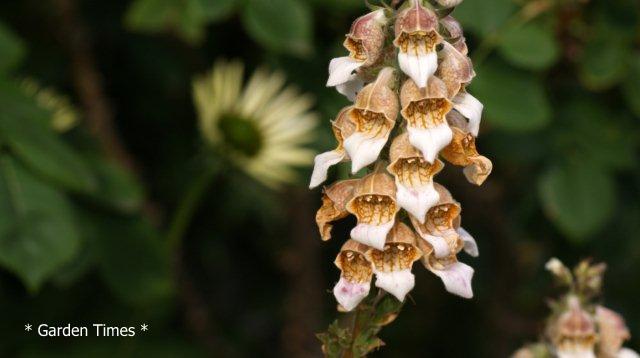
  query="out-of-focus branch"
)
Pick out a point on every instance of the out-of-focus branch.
point(89, 82)
point(301, 263)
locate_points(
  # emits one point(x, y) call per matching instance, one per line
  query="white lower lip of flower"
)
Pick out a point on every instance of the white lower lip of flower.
point(430, 141)
point(351, 87)
point(418, 66)
point(340, 70)
point(457, 279)
point(470, 245)
point(440, 246)
point(627, 353)
point(471, 108)
point(372, 235)
point(417, 200)
point(350, 294)
point(576, 353)
point(397, 283)
point(363, 149)
point(322, 163)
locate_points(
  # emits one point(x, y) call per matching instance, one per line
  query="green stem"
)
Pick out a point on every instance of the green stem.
point(189, 205)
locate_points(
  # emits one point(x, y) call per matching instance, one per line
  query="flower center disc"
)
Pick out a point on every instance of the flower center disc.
point(241, 135)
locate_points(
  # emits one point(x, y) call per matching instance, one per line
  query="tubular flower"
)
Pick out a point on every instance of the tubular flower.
point(613, 332)
point(374, 114)
point(579, 328)
point(334, 201)
point(342, 128)
point(374, 205)
point(392, 264)
point(262, 128)
point(574, 334)
point(425, 112)
point(401, 214)
point(355, 278)
point(365, 43)
point(413, 177)
point(462, 151)
point(416, 39)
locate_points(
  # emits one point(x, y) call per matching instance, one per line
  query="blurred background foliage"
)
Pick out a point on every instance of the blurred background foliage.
point(98, 143)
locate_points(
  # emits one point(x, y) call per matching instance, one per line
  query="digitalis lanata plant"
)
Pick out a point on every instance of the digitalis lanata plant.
point(406, 74)
point(579, 327)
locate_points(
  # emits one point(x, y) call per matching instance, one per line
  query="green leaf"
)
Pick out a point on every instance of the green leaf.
point(484, 17)
point(117, 187)
point(578, 198)
point(281, 25)
point(12, 49)
point(529, 46)
point(150, 15)
point(34, 142)
point(631, 85)
point(131, 258)
point(513, 100)
point(214, 10)
point(604, 63)
point(37, 231)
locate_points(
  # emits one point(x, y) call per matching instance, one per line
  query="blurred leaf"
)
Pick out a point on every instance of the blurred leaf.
point(513, 100)
point(116, 186)
point(281, 25)
point(484, 17)
point(12, 49)
point(131, 259)
point(579, 198)
point(38, 146)
point(188, 18)
point(605, 59)
point(631, 86)
point(587, 130)
point(37, 231)
point(530, 46)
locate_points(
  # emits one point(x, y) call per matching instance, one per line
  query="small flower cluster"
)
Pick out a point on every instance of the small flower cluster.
point(421, 75)
point(578, 327)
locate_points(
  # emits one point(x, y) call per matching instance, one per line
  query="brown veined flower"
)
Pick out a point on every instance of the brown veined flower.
point(263, 127)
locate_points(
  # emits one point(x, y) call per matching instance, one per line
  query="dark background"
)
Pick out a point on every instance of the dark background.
point(560, 81)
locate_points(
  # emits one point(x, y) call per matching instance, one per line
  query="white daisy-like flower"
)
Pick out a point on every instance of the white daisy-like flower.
point(263, 127)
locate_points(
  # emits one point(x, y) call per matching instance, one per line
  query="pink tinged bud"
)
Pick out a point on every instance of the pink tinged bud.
point(374, 205)
point(574, 334)
point(342, 128)
point(392, 264)
point(355, 278)
point(413, 176)
point(613, 331)
point(425, 111)
point(334, 201)
point(416, 38)
point(374, 114)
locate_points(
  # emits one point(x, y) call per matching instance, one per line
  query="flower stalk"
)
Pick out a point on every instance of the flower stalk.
point(405, 75)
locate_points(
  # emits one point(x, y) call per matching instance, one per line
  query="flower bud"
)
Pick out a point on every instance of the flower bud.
point(374, 205)
point(449, 3)
point(413, 177)
point(355, 278)
point(392, 264)
point(425, 111)
point(342, 128)
point(416, 38)
point(374, 114)
point(334, 200)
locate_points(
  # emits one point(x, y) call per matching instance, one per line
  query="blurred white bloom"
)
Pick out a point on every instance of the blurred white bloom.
point(262, 127)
